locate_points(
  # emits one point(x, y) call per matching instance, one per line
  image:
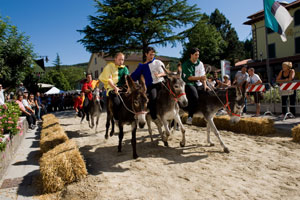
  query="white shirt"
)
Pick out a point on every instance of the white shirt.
point(2, 101)
point(199, 71)
point(240, 77)
point(156, 67)
point(25, 103)
point(254, 78)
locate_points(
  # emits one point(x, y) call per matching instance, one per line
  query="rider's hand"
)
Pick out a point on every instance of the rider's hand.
point(206, 88)
point(116, 90)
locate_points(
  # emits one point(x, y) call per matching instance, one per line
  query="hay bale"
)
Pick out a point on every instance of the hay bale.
point(49, 122)
point(48, 116)
point(53, 139)
point(296, 133)
point(60, 166)
point(51, 129)
point(251, 126)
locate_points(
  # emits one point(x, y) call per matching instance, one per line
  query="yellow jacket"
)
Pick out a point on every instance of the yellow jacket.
point(113, 72)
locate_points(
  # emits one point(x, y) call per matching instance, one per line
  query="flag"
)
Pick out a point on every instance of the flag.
point(277, 17)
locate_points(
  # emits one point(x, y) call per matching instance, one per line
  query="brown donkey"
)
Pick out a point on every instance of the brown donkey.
point(132, 112)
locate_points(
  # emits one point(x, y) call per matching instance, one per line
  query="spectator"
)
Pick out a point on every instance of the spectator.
point(240, 78)
point(31, 102)
point(28, 106)
point(21, 89)
point(285, 75)
point(255, 80)
point(216, 78)
point(225, 84)
point(24, 112)
point(211, 82)
point(2, 99)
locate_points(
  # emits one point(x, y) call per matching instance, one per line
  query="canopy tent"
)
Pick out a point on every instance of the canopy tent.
point(54, 90)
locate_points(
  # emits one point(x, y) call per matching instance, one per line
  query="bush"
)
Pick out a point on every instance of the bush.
point(9, 119)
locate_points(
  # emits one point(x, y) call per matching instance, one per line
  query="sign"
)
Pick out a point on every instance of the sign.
point(225, 68)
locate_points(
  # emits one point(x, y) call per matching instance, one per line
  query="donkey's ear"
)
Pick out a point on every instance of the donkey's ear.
point(179, 69)
point(130, 83)
point(165, 70)
point(143, 84)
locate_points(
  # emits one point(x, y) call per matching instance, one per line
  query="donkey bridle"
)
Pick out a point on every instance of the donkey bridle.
point(226, 105)
point(175, 97)
point(133, 112)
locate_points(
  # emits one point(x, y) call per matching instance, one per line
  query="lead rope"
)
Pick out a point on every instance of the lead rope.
point(126, 106)
point(212, 89)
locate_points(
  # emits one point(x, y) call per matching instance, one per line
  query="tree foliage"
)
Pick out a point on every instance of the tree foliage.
point(57, 62)
point(133, 25)
point(56, 78)
point(209, 41)
point(16, 54)
point(233, 51)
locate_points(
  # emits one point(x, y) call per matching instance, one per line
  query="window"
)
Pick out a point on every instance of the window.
point(272, 51)
point(297, 18)
point(95, 61)
point(297, 45)
point(96, 74)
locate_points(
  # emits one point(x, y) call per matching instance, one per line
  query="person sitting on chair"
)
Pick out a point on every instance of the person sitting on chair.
point(113, 78)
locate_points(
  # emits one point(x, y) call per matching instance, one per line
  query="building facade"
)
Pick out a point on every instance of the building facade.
point(279, 51)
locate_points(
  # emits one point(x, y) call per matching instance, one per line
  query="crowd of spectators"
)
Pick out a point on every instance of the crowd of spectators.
point(34, 106)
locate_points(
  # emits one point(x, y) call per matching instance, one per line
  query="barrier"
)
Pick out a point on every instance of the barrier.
point(262, 88)
point(288, 86)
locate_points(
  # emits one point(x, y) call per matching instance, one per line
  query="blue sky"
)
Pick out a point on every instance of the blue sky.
point(52, 24)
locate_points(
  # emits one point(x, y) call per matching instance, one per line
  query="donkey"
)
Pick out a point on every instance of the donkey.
point(209, 103)
point(132, 111)
point(171, 93)
point(94, 109)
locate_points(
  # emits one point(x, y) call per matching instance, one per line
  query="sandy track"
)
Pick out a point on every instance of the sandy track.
point(256, 168)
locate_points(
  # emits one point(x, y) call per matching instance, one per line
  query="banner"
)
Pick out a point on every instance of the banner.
point(225, 68)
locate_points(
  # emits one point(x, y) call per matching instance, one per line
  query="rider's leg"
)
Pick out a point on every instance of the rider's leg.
point(116, 104)
point(192, 96)
point(152, 92)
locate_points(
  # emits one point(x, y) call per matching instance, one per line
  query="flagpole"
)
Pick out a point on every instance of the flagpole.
point(267, 49)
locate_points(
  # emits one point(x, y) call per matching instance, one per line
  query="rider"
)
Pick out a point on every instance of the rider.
point(113, 78)
point(78, 105)
point(193, 74)
point(153, 73)
point(87, 88)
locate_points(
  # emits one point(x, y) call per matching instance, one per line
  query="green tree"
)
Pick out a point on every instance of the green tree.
point(57, 62)
point(16, 54)
point(56, 78)
point(233, 51)
point(209, 41)
point(133, 25)
point(73, 75)
point(248, 47)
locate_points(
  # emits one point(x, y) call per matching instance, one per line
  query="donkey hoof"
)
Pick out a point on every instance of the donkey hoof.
point(111, 133)
point(226, 150)
point(106, 136)
point(182, 144)
point(135, 156)
point(166, 144)
point(211, 144)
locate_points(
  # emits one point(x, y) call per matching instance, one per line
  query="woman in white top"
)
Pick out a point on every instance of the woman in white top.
point(255, 80)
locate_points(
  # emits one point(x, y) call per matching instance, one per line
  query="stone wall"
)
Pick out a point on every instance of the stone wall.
point(11, 147)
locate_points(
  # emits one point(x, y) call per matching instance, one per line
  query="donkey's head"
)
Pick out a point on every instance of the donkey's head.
point(96, 96)
point(235, 102)
point(139, 100)
point(176, 86)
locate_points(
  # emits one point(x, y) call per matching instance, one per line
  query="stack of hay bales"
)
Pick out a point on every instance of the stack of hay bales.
point(60, 166)
point(251, 126)
point(296, 133)
point(61, 162)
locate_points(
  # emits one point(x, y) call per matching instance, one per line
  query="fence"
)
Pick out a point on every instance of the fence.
point(273, 95)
